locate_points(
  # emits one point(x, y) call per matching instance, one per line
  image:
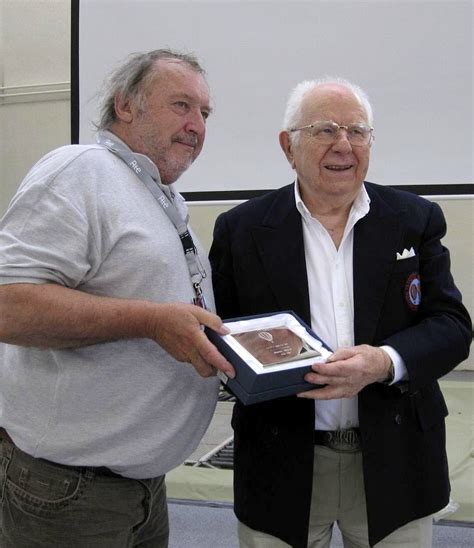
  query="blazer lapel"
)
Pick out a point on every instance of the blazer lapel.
point(376, 239)
point(279, 241)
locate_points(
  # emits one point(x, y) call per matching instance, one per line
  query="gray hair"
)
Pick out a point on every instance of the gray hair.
point(299, 92)
point(131, 79)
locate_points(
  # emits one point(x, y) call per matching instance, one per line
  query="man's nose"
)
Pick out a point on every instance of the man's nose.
point(342, 143)
point(196, 123)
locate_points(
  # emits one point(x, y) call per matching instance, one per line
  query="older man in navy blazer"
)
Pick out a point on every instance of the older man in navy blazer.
point(363, 264)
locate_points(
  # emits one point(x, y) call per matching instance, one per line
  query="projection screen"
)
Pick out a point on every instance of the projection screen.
point(414, 58)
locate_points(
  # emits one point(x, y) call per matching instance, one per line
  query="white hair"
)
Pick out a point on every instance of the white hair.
point(299, 92)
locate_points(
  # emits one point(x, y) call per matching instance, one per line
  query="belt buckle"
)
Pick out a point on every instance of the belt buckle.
point(344, 441)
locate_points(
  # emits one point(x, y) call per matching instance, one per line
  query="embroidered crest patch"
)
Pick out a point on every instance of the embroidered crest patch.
point(413, 291)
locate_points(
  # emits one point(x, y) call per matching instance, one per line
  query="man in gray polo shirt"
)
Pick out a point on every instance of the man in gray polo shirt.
point(100, 283)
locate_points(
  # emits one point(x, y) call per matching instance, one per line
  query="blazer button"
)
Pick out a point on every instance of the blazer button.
point(398, 419)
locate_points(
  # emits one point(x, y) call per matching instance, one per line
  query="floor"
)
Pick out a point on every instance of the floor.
point(213, 525)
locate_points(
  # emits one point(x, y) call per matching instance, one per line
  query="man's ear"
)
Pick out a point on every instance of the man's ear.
point(123, 108)
point(286, 146)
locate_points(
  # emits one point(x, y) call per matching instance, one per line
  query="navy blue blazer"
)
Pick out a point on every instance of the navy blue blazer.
point(259, 266)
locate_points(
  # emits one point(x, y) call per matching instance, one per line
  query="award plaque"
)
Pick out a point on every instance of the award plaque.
point(275, 345)
point(271, 354)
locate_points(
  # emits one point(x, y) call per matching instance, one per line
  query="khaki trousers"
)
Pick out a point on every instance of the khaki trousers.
point(340, 497)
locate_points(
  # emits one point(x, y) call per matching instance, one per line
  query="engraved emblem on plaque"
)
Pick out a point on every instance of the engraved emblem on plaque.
point(275, 346)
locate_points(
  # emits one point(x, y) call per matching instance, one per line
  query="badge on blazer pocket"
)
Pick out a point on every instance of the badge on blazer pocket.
point(413, 291)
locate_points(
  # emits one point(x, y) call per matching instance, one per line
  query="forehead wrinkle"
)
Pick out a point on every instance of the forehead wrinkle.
point(169, 74)
point(330, 102)
point(175, 69)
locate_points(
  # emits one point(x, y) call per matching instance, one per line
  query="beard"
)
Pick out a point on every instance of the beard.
point(171, 169)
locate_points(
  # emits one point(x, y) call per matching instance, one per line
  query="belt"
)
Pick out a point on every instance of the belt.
point(98, 470)
point(343, 441)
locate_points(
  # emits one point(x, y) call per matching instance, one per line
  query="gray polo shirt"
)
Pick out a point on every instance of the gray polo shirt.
point(83, 220)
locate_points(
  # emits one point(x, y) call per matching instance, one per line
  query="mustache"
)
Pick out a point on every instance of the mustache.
point(189, 140)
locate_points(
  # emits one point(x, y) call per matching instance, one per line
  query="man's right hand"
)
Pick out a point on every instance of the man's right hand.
point(176, 327)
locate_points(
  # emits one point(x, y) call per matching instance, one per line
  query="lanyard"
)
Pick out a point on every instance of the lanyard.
point(196, 270)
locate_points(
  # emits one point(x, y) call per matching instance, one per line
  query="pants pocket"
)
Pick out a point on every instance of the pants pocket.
point(39, 488)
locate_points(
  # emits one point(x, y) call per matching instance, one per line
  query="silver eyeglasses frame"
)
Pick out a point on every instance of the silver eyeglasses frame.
point(339, 127)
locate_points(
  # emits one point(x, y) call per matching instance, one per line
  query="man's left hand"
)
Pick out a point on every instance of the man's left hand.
point(347, 371)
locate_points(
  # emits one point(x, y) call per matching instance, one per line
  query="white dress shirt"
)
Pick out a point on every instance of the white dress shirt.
point(331, 297)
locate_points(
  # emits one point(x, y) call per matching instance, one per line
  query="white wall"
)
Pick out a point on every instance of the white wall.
point(35, 83)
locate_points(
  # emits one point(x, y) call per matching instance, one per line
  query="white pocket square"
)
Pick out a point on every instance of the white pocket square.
point(407, 253)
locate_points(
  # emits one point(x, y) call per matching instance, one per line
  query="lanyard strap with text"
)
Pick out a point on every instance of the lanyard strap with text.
point(196, 270)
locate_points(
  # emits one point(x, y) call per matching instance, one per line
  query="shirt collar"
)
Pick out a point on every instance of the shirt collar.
point(360, 206)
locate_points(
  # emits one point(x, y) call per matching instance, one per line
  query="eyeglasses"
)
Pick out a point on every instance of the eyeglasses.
point(326, 133)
